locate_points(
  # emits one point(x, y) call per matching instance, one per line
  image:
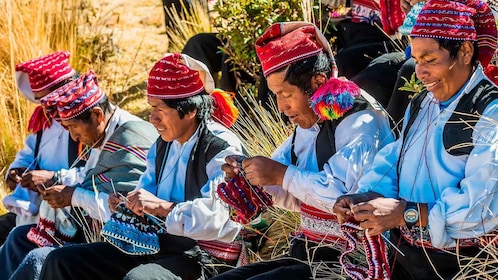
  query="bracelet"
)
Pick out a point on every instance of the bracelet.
point(57, 178)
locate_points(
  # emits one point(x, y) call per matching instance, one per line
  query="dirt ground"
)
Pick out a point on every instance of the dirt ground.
point(139, 39)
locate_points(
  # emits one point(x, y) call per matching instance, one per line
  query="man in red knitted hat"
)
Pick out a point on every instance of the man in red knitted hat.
point(435, 187)
point(192, 235)
point(117, 143)
point(49, 152)
point(324, 157)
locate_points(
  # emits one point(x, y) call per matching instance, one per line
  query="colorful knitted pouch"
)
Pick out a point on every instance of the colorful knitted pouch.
point(245, 200)
point(375, 250)
point(130, 233)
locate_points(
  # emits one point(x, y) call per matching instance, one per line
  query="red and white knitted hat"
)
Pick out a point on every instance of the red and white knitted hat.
point(284, 43)
point(42, 73)
point(465, 20)
point(178, 76)
point(75, 97)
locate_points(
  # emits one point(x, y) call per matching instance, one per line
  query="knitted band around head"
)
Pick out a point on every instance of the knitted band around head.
point(375, 250)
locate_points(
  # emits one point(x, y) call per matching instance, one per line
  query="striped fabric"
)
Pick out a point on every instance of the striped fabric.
point(228, 252)
point(319, 226)
point(419, 237)
point(375, 251)
point(135, 150)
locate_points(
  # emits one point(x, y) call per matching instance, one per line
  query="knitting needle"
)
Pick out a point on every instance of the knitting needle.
point(390, 243)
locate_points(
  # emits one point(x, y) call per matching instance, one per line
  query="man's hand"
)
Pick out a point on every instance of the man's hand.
point(231, 167)
point(113, 201)
point(57, 196)
point(14, 177)
point(379, 214)
point(141, 201)
point(35, 178)
point(262, 171)
point(344, 204)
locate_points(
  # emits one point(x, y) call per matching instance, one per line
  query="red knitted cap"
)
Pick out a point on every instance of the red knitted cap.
point(467, 20)
point(284, 43)
point(178, 76)
point(74, 98)
point(43, 72)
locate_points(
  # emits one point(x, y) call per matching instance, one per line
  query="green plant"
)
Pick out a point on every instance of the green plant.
point(413, 85)
point(240, 23)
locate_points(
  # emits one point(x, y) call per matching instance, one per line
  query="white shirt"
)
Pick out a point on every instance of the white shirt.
point(461, 190)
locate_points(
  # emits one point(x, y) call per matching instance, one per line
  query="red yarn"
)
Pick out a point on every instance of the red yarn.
point(392, 16)
point(38, 120)
point(492, 72)
point(225, 111)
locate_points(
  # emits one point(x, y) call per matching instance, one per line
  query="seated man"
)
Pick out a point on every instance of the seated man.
point(178, 188)
point(49, 152)
point(119, 143)
point(435, 187)
point(322, 160)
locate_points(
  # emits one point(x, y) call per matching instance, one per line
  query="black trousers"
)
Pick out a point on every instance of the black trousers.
point(104, 261)
point(417, 264)
point(7, 223)
point(295, 266)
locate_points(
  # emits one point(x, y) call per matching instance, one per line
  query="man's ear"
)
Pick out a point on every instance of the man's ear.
point(99, 114)
point(191, 114)
point(318, 80)
point(467, 51)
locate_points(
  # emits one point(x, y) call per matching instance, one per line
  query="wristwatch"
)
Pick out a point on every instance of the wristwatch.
point(411, 215)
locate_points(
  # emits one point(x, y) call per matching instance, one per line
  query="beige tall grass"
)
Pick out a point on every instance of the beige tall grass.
point(28, 29)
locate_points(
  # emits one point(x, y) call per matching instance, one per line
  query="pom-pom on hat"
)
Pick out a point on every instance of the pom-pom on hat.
point(75, 97)
point(284, 43)
point(467, 20)
point(333, 99)
point(178, 76)
point(42, 73)
point(225, 111)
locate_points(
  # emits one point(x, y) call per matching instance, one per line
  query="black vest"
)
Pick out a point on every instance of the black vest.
point(457, 133)
point(325, 140)
point(207, 146)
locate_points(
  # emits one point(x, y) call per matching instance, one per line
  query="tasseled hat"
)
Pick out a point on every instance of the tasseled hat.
point(74, 98)
point(467, 20)
point(178, 76)
point(284, 43)
point(42, 73)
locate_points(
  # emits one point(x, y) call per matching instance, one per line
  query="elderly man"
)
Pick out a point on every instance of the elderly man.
point(119, 143)
point(177, 190)
point(49, 154)
point(435, 188)
point(322, 160)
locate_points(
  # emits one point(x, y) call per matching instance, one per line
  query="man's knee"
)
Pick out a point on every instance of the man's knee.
point(150, 271)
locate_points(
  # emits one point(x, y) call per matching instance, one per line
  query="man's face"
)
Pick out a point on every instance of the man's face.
point(440, 74)
point(291, 101)
point(88, 133)
point(168, 123)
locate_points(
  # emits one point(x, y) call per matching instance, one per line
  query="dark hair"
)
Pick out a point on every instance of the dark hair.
point(453, 46)
point(300, 73)
point(63, 82)
point(203, 102)
point(103, 104)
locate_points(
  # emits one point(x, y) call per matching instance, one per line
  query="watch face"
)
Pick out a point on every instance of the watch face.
point(411, 216)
